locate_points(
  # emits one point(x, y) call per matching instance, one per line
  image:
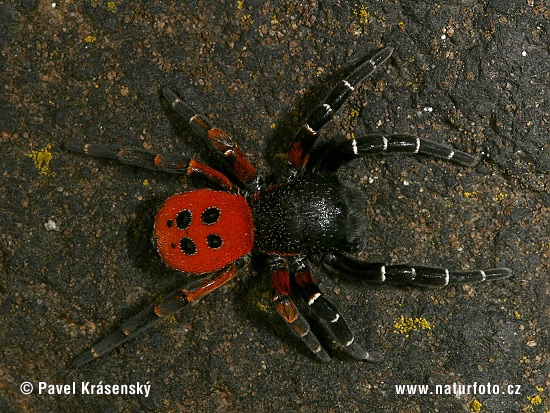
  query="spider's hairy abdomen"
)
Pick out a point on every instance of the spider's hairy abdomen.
point(309, 215)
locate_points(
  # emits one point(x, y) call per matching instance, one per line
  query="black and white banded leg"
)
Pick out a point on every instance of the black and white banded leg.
point(307, 135)
point(332, 157)
point(285, 306)
point(408, 274)
point(151, 315)
point(143, 158)
point(328, 313)
point(139, 157)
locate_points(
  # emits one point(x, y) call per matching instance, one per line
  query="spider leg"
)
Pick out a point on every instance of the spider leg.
point(234, 157)
point(307, 135)
point(407, 274)
point(155, 312)
point(147, 159)
point(335, 156)
point(328, 313)
point(281, 296)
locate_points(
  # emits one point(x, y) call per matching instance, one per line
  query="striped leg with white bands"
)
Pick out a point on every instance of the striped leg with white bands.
point(324, 112)
point(337, 155)
point(407, 274)
point(327, 312)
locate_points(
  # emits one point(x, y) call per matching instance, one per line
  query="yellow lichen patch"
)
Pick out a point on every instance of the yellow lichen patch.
point(145, 182)
point(240, 4)
point(353, 113)
point(274, 19)
point(365, 16)
point(405, 325)
point(42, 159)
point(500, 196)
point(534, 400)
point(517, 315)
point(475, 406)
point(524, 359)
point(111, 6)
point(170, 319)
point(469, 194)
point(412, 86)
point(247, 18)
point(272, 126)
point(90, 39)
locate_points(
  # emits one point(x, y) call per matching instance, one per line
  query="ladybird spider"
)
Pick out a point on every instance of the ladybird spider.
point(308, 215)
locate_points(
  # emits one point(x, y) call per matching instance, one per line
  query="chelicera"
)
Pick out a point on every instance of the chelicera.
point(303, 217)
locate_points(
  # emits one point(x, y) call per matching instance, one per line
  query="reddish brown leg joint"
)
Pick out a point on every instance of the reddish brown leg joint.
point(280, 294)
point(207, 285)
point(241, 167)
point(199, 169)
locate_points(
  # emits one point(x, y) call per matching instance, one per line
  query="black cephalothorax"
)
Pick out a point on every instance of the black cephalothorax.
point(308, 215)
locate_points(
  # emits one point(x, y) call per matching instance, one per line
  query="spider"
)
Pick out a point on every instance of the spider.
point(307, 216)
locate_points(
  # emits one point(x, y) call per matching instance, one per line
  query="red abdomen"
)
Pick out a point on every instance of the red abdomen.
point(203, 231)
